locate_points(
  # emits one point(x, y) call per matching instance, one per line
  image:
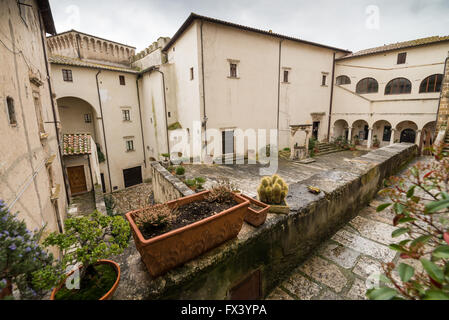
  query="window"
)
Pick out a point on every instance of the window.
point(122, 80)
point(11, 111)
point(126, 115)
point(285, 75)
point(87, 118)
point(398, 86)
point(169, 114)
point(323, 79)
point(233, 70)
point(402, 57)
point(367, 85)
point(191, 73)
point(23, 9)
point(342, 80)
point(38, 110)
point(431, 84)
point(67, 75)
point(129, 145)
point(387, 133)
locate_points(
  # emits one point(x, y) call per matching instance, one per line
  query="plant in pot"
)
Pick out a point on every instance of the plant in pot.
point(257, 211)
point(199, 181)
point(168, 235)
point(180, 170)
point(20, 256)
point(356, 140)
point(273, 191)
point(376, 142)
point(166, 161)
point(86, 243)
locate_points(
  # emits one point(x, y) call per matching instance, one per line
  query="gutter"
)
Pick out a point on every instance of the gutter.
point(104, 134)
point(331, 100)
point(141, 125)
point(53, 109)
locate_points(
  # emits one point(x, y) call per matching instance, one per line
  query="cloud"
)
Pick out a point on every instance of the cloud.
point(336, 23)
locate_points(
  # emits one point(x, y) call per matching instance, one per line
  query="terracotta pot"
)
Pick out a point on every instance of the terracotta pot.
point(171, 249)
point(6, 291)
point(108, 294)
point(253, 217)
point(282, 208)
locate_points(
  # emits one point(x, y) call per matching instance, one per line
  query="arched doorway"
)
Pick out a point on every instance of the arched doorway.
point(360, 132)
point(408, 135)
point(427, 138)
point(340, 129)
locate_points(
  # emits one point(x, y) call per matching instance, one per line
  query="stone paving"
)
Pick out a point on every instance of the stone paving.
point(132, 198)
point(247, 178)
point(82, 204)
point(341, 268)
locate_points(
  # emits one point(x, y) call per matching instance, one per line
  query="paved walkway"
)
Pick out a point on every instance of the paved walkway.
point(82, 204)
point(342, 266)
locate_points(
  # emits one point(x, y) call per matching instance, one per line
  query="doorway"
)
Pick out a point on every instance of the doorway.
point(132, 176)
point(77, 179)
point(228, 142)
point(408, 135)
point(315, 129)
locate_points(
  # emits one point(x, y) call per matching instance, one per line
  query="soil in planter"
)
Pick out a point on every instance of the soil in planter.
point(190, 213)
point(91, 288)
point(255, 207)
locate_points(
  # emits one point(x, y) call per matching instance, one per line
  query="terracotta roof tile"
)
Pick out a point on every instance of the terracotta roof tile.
point(76, 144)
point(57, 59)
point(397, 46)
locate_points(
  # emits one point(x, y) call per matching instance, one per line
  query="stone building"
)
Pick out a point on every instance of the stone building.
point(31, 175)
point(390, 93)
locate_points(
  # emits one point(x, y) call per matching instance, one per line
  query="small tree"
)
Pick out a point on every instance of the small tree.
point(85, 241)
point(420, 202)
point(20, 254)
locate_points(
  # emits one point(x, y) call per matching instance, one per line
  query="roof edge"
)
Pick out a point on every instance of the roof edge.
point(194, 16)
point(90, 35)
point(47, 16)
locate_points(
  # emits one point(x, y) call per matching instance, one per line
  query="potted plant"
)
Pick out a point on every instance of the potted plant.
point(86, 243)
point(199, 181)
point(166, 161)
point(168, 235)
point(257, 211)
point(376, 142)
point(20, 256)
point(180, 170)
point(273, 191)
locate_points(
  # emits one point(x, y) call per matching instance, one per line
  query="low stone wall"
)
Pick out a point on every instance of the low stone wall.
point(166, 187)
point(278, 246)
point(99, 199)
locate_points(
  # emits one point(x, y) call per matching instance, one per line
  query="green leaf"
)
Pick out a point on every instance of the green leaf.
point(384, 278)
point(435, 295)
point(396, 247)
point(435, 206)
point(398, 232)
point(381, 294)
point(406, 272)
point(411, 191)
point(398, 208)
point(441, 252)
point(405, 220)
point(420, 239)
point(432, 270)
point(383, 207)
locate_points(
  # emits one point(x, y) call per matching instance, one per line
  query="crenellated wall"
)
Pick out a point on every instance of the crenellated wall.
point(75, 44)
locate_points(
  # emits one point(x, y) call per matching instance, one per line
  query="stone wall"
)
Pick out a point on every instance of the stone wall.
point(278, 246)
point(443, 111)
point(166, 187)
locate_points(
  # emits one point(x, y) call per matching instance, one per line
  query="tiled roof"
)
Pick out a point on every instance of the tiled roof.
point(57, 59)
point(398, 46)
point(76, 144)
point(194, 16)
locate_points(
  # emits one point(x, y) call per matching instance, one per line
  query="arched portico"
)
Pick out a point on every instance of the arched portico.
point(361, 132)
point(407, 131)
point(383, 132)
point(341, 129)
point(427, 137)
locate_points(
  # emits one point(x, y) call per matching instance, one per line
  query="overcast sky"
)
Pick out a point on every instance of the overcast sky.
point(346, 24)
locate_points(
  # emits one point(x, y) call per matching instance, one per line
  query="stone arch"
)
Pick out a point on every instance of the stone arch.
point(406, 131)
point(382, 132)
point(427, 137)
point(99, 46)
point(92, 43)
point(86, 42)
point(340, 129)
point(360, 131)
point(105, 47)
point(111, 49)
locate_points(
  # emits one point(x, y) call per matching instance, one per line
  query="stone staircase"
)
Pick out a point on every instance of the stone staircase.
point(446, 142)
point(325, 148)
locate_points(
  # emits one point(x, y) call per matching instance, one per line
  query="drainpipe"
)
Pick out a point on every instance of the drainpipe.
point(204, 91)
point(279, 90)
point(331, 98)
point(91, 176)
point(165, 109)
point(104, 133)
point(53, 109)
point(141, 125)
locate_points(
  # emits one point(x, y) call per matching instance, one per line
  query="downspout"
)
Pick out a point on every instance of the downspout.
point(204, 91)
point(165, 109)
point(53, 109)
point(104, 133)
point(331, 99)
point(90, 171)
point(141, 125)
point(279, 91)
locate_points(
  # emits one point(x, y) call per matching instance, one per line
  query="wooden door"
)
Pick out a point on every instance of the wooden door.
point(77, 179)
point(132, 176)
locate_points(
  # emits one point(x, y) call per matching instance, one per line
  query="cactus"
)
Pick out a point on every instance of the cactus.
point(272, 190)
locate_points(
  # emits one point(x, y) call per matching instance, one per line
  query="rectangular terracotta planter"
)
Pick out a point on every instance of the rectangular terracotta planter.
point(171, 249)
point(253, 217)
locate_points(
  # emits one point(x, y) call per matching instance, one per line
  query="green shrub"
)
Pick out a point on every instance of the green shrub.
point(180, 170)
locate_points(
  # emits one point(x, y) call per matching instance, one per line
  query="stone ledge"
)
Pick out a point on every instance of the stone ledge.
point(278, 246)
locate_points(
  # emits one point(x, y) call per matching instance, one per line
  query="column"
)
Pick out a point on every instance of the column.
point(350, 134)
point(331, 134)
point(292, 145)
point(370, 138)
point(392, 136)
point(418, 137)
point(306, 154)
